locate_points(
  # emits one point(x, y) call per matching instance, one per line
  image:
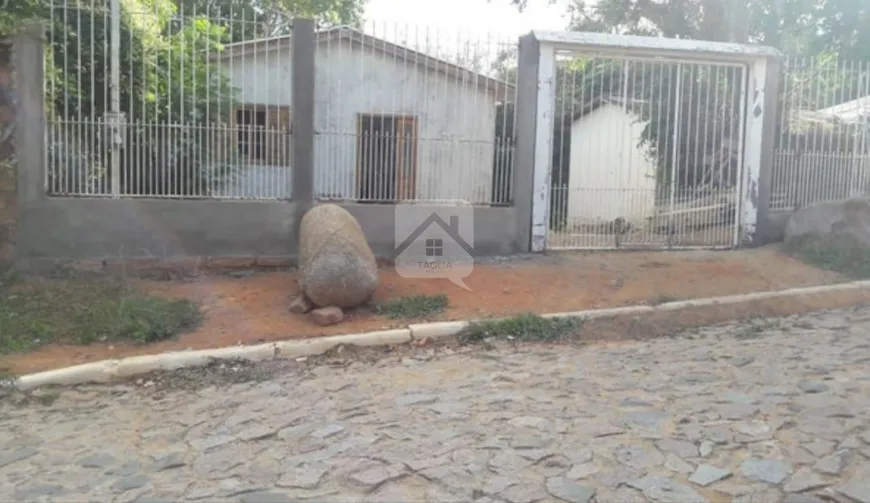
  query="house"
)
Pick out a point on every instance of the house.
point(849, 112)
point(440, 240)
point(611, 174)
point(391, 123)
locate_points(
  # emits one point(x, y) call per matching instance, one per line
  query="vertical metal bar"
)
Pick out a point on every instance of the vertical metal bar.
point(674, 151)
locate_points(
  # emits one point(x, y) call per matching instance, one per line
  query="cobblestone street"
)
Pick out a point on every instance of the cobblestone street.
point(772, 412)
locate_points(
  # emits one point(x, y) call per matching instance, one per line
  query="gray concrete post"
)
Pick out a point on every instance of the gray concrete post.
point(526, 110)
point(302, 53)
point(28, 64)
point(764, 230)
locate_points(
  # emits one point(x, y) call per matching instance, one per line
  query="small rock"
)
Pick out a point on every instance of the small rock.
point(675, 464)
point(830, 465)
point(801, 498)
point(858, 490)
point(169, 461)
point(581, 471)
point(416, 399)
point(771, 471)
point(812, 386)
point(97, 461)
point(804, 480)
point(568, 490)
point(15, 455)
point(374, 477)
point(638, 457)
point(327, 431)
point(130, 483)
point(300, 305)
point(679, 447)
point(707, 474)
point(302, 477)
point(742, 361)
point(706, 448)
point(265, 497)
point(326, 316)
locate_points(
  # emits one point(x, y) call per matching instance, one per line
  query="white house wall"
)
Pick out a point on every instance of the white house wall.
point(455, 119)
point(610, 177)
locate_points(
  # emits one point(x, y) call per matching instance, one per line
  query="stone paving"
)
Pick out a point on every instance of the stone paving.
point(777, 412)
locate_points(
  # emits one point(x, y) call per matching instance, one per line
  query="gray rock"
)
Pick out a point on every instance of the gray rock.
point(831, 220)
point(416, 399)
point(665, 490)
point(707, 474)
point(265, 497)
point(374, 477)
point(38, 492)
point(643, 418)
point(583, 471)
point(858, 490)
point(801, 498)
point(706, 448)
point(336, 265)
point(327, 431)
point(804, 480)
point(302, 477)
point(819, 447)
point(679, 447)
point(771, 471)
point(169, 461)
point(742, 361)
point(97, 461)
point(14, 455)
point(523, 493)
point(568, 490)
point(812, 386)
point(638, 457)
point(829, 465)
point(675, 464)
point(131, 482)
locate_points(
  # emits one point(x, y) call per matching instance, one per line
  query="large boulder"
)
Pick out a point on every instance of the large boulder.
point(837, 219)
point(336, 266)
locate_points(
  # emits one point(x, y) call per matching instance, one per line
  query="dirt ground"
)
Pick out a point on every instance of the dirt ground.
point(250, 309)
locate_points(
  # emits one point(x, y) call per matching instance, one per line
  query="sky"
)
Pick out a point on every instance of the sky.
point(497, 16)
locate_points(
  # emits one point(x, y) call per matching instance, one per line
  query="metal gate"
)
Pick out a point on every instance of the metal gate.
point(646, 153)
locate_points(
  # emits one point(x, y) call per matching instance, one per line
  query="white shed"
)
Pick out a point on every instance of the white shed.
point(612, 175)
point(390, 122)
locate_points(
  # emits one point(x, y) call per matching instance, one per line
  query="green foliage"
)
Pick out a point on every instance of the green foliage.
point(523, 327)
point(842, 253)
point(75, 308)
point(415, 306)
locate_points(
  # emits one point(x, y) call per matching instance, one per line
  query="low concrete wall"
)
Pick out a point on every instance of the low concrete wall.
point(67, 228)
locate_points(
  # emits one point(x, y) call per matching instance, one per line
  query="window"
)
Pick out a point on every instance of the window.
point(434, 247)
point(263, 133)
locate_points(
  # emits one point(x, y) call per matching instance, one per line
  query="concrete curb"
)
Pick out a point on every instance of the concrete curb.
point(108, 370)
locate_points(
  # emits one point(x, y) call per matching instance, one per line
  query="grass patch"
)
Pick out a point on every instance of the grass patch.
point(662, 299)
point(524, 327)
point(415, 306)
point(68, 307)
point(842, 254)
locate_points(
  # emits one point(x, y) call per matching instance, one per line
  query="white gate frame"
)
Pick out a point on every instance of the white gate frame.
point(762, 66)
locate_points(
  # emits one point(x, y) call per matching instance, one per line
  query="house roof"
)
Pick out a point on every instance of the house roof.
point(599, 101)
point(848, 111)
point(358, 38)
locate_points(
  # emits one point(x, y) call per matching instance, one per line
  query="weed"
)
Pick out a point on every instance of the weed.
point(842, 254)
point(662, 299)
point(83, 308)
point(524, 327)
point(416, 306)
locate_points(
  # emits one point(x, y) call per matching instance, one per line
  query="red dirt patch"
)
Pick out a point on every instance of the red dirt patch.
point(253, 309)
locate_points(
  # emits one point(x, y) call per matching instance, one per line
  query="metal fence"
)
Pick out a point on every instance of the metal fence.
point(409, 112)
point(822, 149)
point(148, 102)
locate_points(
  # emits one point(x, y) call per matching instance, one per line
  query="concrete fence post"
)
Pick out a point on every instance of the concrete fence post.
point(526, 113)
point(764, 230)
point(28, 63)
point(303, 46)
